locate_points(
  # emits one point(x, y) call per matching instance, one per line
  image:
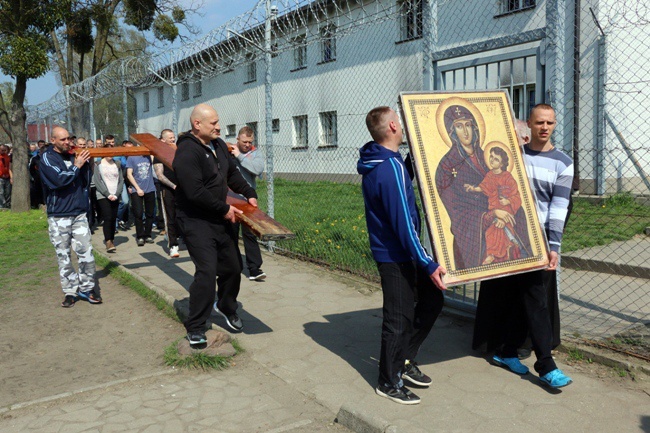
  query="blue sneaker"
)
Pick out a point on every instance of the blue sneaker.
point(555, 379)
point(512, 364)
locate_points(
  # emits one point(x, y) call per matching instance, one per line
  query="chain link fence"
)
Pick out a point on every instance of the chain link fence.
point(304, 74)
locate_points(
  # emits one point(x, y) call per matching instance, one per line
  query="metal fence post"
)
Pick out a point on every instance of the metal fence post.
point(555, 38)
point(92, 130)
point(174, 100)
point(268, 102)
point(125, 108)
point(429, 42)
point(601, 136)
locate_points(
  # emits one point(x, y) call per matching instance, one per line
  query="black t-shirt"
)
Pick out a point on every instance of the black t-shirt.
point(167, 172)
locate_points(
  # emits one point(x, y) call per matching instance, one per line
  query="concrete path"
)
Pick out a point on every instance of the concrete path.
point(312, 340)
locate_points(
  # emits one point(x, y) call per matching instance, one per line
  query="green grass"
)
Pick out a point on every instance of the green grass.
point(26, 254)
point(330, 226)
point(197, 360)
point(617, 218)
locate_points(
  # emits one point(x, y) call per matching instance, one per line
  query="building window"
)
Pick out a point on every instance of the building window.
point(251, 69)
point(198, 88)
point(275, 125)
point(299, 53)
point(230, 130)
point(327, 129)
point(185, 91)
point(509, 6)
point(522, 102)
point(145, 102)
point(411, 19)
point(253, 126)
point(328, 44)
point(300, 132)
point(161, 97)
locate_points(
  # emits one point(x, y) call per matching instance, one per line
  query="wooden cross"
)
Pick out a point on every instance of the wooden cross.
point(264, 227)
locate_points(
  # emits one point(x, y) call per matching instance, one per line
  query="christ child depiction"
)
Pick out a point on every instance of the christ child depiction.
point(501, 190)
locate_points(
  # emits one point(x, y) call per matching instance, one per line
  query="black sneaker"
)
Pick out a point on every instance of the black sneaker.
point(233, 320)
point(196, 338)
point(68, 301)
point(141, 242)
point(413, 374)
point(257, 275)
point(148, 240)
point(401, 395)
point(91, 297)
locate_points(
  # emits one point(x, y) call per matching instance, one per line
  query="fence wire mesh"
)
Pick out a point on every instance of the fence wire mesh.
point(332, 61)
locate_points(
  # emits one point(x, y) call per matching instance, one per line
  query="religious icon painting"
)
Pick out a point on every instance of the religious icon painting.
point(479, 207)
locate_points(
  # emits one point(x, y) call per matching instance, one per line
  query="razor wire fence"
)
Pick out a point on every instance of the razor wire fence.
point(303, 75)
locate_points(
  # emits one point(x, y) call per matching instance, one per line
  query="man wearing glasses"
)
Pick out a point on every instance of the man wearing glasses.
point(66, 177)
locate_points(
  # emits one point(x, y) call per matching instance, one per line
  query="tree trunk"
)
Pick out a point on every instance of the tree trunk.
point(19, 165)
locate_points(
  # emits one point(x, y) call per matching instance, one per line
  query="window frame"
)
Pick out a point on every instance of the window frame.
point(328, 42)
point(185, 91)
point(327, 129)
point(300, 130)
point(299, 53)
point(145, 102)
point(161, 97)
point(411, 20)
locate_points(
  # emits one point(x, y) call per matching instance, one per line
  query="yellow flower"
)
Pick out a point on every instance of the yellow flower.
point(329, 241)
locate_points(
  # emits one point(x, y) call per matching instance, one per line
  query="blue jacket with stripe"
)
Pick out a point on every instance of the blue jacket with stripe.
point(391, 214)
point(65, 185)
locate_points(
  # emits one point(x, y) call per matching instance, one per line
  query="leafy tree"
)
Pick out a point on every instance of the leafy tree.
point(25, 29)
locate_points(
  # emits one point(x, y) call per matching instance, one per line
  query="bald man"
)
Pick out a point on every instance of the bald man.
point(205, 170)
point(66, 179)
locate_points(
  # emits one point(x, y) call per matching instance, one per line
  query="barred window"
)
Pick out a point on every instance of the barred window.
point(251, 69)
point(299, 53)
point(161, 97)
point(328, 44)
point(145, 102)
point(300, 131)
point(230, 130)
point(327, 129)
point(185, 91)
point(508, 6)
point(198, 88)
point(411, 19)
point(275, 125)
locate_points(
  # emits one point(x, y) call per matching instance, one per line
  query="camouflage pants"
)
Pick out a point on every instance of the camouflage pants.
point(73, 232)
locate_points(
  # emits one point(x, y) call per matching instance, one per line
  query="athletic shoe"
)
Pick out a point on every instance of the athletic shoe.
point(196, 338)
point(110, 247)
point(257, 275)
point(68, 301)
point(556, 379)
point(141, 242)
point(401, 395)
point(91, 297)
point(413, 374)
point(148, 240)
point(122, 225)
point(233, 320)
point(512, 364)
point(173, 251)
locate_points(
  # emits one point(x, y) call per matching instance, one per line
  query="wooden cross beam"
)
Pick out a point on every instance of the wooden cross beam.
point(264, 227)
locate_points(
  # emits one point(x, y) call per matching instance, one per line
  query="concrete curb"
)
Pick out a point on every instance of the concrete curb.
point(358, 421)
point(602, 357)
point(600, 266)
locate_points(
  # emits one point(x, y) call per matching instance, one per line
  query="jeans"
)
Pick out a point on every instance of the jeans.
point(147, 204)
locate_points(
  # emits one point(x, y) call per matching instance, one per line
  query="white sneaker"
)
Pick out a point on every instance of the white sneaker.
point(173, 252)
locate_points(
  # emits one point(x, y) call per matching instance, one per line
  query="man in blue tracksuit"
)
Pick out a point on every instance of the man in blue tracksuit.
point(66, 179)
point(411, 281)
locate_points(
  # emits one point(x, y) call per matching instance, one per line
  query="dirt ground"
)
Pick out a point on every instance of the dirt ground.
point(47, 350)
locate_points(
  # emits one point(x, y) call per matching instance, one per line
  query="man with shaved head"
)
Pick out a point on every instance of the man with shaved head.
point(66, 179)
point(205, 170)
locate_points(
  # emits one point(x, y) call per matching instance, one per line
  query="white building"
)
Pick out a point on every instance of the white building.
point(343, 64)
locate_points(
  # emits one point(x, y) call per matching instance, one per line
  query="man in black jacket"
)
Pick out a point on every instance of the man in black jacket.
point(205, 170)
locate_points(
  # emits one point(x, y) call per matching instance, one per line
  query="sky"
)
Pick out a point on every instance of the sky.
point(215, 13)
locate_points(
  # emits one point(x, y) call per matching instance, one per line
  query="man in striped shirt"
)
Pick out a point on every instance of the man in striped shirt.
point(525, 295)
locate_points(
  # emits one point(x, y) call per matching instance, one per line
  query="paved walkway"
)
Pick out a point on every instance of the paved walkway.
point(312, 339)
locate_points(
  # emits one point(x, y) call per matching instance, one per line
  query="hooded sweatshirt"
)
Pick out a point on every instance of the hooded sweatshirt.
point(391, 214)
